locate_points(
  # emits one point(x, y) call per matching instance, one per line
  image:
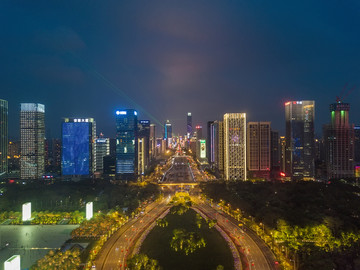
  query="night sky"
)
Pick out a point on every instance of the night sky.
point(164, 58)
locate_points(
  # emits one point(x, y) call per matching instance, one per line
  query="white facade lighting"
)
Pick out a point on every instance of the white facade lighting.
point(89, 210)
point(26, 211)
point(13, 263)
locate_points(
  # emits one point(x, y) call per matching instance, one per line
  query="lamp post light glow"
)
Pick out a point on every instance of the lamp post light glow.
point(89, 210)
point(26, 211)
point(12, 263)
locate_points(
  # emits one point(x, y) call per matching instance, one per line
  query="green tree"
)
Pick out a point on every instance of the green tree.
point(143, 262)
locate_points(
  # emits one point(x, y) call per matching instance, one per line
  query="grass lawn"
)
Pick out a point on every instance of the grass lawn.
point(216, 252)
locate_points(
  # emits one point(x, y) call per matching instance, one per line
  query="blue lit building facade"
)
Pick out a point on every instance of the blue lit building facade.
point(126, 144)
point(78, 147)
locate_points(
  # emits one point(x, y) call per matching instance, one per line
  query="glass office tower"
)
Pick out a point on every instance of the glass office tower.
point(32, 137)
point(300, 144)
point(126, 144)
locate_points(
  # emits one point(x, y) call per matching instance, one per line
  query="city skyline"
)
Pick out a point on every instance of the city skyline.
point(179, 135)
point(235, 56)
point(112, 133)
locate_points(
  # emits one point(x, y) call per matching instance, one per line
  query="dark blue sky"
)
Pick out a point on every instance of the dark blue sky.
point(165, 58)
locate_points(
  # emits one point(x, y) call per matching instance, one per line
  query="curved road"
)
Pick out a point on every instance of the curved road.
point(258, 255)
point(114, 253)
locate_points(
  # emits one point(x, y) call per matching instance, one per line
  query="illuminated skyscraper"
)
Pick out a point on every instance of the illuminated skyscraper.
point(199, 132)
point(126, 144)
point(3, 137)
point(235, 146)
point(167, 130)
point(168, 133)
point(14, 154)
point(102, 146)
point(53, 156)
point(299, 155)
point(282, 145)
point(210, 142)
point(32, 137)
point(152, 141)
point(219, 157)
point(143, 145)
point(78, 148)
point(357, 145)
point(339, 142)
point(189, 125)
point(275, 151)
point(258, 149)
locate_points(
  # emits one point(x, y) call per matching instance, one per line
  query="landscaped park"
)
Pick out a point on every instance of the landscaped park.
point(187, 241)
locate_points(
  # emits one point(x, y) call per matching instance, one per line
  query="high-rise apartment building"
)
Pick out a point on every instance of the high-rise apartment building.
point(235, 146)
point(199, 138)
point(53, 156)
point(14, 157)
point(210, 142)
point(141, 155)
point(219, 157)
point(282, 145)
point(357, 145)
point(32, 137)
point(339, 142)
point(126, 144)
point(299, 155)
point(189, 125)
point(78, 148)
point(143, 145)
point(258, 149)
point(199, 132)
point(275, 152)
point(152, 141)
point(102, 146)
point(3, 137)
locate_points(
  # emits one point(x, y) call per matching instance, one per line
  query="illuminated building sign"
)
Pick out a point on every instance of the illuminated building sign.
point(81, 120)
point(13, 263)
point(26, 211)
point(121, 113)
point(89, 210)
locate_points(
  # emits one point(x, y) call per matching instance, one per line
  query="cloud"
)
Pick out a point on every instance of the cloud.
point(53, 70)
point(60, 40)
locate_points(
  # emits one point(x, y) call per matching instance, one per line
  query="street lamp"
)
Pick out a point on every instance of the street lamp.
point(262, 224)
point(293, 262)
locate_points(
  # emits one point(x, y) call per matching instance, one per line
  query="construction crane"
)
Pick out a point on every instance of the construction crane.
point(343, 95)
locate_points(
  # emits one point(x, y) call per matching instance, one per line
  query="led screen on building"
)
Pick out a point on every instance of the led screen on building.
point(75, 148)
point(202, 148)
point(357, 171)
